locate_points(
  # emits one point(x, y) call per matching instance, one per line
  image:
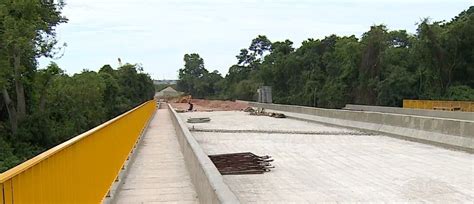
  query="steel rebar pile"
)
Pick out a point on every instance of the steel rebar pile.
point(241, 163)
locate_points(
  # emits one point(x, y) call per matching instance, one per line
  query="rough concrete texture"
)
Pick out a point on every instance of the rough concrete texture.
point(458, 134)
point(445, 140)
point(206, 178)
point(230, 120)
point(158, 174)
point(338, 168)
point(408, 111)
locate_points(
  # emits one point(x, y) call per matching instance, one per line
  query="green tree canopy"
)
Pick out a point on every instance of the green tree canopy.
point(383, 67)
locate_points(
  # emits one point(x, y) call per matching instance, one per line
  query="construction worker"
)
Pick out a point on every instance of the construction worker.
point(190, 106)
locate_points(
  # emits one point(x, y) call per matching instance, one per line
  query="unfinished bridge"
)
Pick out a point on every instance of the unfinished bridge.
point(151, 154)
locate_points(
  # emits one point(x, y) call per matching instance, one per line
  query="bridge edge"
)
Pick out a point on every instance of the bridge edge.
point(207, 180)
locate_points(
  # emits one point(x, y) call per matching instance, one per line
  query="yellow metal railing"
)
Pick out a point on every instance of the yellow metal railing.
point(467, 106)
point(80, 170)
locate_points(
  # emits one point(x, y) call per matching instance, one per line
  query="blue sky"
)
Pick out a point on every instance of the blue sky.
point(157, 33)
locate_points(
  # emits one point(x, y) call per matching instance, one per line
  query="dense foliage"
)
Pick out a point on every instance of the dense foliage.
point(40, 108)
point(196, 80)
point(381, 68)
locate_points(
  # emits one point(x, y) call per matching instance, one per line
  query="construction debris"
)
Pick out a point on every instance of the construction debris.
point(180, 111)
point(241, 163)
point(258, 111)
point(261, 111)
point(277, 115)
point(198, 120)
point(249, 109)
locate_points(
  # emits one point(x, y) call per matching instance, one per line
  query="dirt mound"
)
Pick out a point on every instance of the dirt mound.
point(212, 105)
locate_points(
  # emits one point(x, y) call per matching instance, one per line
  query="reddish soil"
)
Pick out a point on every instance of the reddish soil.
point(211, 105)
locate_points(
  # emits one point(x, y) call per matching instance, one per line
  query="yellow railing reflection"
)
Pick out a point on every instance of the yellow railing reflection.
point(80, 170)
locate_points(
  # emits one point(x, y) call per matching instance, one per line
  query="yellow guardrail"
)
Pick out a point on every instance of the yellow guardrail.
point(80, 170)
point(467, 106)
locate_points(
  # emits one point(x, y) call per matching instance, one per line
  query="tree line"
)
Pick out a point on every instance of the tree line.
point(383, 67)
point(40, 108)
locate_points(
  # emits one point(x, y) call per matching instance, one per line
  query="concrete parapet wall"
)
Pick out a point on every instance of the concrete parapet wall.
point(458, 134)
point(409, 111)
point(207, 180)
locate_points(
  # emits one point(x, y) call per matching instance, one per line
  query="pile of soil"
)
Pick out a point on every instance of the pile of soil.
point(211, 105)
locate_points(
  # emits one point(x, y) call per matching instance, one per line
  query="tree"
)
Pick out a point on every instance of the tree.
point(374, 43)
point(40, 108)
point(445, 56)
point(43, 81)
point(191, 73)
point(397, 77)
point(135, 86)
point(212, 79)
point(382, 68)
point(28, 32)
point(7, 158)
point(342, 73)
point(255, 53)
point(63, 106)
point(196, 80)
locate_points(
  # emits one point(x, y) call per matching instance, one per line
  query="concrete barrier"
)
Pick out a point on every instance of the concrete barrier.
point(207, 180)
point(451, 133)
point(409, 111)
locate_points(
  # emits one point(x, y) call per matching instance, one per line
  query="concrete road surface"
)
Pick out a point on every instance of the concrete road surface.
point(158, 174)
point(339, 167)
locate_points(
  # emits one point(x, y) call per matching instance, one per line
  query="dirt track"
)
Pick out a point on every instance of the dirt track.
point(211, 105)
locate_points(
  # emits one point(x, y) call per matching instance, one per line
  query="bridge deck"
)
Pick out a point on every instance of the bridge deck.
point(334, 164)
point(158, 174)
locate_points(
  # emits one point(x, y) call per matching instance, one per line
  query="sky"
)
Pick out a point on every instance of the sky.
point(157, 33)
